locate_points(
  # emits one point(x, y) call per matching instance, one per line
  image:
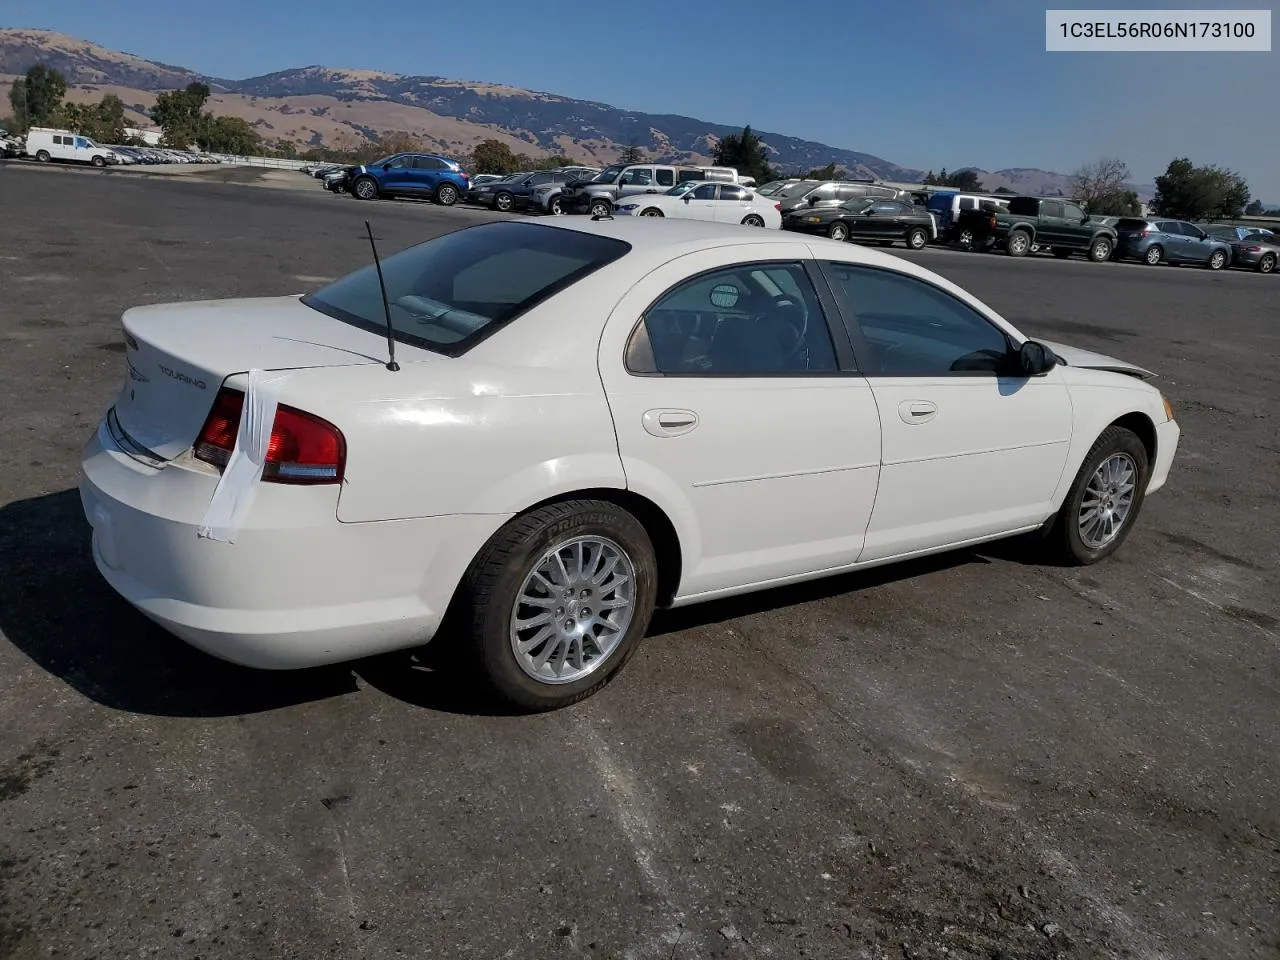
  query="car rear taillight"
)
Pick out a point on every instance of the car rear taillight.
point(303, 448)
point(778, 207)
point(1252, 249)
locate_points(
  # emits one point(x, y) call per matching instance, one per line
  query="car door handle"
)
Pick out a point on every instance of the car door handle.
point(669, 423)
point(917, 411)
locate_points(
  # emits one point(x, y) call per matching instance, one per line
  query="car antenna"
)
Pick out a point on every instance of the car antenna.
point(386, 304)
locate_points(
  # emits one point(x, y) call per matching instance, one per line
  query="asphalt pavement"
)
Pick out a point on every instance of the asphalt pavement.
point(973, 756)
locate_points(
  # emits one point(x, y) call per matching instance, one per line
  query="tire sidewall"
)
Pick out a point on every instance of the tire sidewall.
point(1102, 243)
point(492, 631)
point(600, 208)
point(917, 239)
point(1159, 256)
point(1267, 264)
point(43, 156)
point(838, 232)
point(556, 207)
point(356, 189)
point(1113, 440)
point(447, 195)
point(503, 202)
point(1220, 258)
point(1019, 244)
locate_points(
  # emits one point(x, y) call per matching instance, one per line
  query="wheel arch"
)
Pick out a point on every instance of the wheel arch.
point(661, 530)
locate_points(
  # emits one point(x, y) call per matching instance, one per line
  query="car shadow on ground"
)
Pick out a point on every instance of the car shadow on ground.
point(57, 610)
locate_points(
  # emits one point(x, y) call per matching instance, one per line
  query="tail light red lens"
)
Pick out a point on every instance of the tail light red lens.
point(303, 448)
point(1252, 249)
point(777, 206)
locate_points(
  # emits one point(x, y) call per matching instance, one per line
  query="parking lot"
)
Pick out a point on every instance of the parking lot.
point(971, 756)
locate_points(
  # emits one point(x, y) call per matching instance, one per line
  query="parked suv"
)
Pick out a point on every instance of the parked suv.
point(832, 193)
point(598, 195)
point(1156, 241)
point(409, 175)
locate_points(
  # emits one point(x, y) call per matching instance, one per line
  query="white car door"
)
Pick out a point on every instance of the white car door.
point(732, 204)
point(739, 414)
point(698, 204)
point(970, 449)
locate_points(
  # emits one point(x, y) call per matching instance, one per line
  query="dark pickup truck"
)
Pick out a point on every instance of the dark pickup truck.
point(1060, 225)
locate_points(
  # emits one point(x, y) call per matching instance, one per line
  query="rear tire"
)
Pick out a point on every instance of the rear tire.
point(753, 220)
point(1153, 256)
point(1018, 244)
point(917, 238)
point(1073, 540)
point(1267, 264)
point(500, 587)
point(43, 156)
point(365, 188)
point(446, 195)
point(838, 231)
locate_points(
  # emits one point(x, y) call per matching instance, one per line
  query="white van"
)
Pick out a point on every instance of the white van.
point(45, 144)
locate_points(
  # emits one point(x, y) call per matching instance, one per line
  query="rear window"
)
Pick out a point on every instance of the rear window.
point(453, 291)
point(940, 201)
point(1130, 223)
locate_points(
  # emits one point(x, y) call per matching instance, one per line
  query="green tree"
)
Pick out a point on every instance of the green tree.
point(633, 154)
point(493, 156)
point(965, 180)
point(229, 135)
point(179, 113)
point(1254, 209)
point(36, 98)
point(829, 172)
point(1003, 190)
point(747, 153)
point(1188, 192)
point(106, 120)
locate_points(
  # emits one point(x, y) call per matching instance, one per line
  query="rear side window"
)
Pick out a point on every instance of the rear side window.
point(746, 321)
point(666, 177)
point(730, 192)
point(1024, 206)
point(454, 290)
point(687, 175)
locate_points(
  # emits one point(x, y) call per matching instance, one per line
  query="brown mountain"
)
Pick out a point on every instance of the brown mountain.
point(333, 107)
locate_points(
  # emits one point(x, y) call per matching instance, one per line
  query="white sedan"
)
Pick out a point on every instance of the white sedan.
point(585, 420)
point(705, 200)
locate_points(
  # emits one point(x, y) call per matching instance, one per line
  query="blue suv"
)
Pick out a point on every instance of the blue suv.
point(409, 175)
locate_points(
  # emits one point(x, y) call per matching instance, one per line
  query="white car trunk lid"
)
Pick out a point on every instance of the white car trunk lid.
point(177, 356)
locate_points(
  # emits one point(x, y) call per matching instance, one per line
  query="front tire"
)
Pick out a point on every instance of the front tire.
point(503, 202)
point(446, 195)
point(365, 188)
point(1104, 500)
point(558, 600)
point(838, 231)
point(651, 212)
point(98, 162)
point(917, 239)
point(1018, 244)
point(1217, 260)
point(556, 207)
point(601, 208)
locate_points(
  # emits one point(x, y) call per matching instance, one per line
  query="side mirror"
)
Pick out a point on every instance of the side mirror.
point(812, 201)
point(1035, 358)
point(688, 195)
point(386, 166)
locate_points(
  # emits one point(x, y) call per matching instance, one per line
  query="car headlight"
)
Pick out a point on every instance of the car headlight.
point(628, 206)
point(1168, 407)
point(812, 219)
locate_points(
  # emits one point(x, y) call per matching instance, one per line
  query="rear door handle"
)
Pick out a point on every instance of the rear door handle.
point(668, 422)
point(917, 411)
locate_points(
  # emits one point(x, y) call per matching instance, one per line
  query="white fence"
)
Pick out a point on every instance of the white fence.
point(275, 163)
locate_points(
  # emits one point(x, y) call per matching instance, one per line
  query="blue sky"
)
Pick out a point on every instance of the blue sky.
point(931, 83)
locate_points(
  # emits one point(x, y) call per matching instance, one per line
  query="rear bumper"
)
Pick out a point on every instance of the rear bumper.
point(296, 589)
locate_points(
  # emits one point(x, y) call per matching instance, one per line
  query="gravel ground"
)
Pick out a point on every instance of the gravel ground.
point(971, 756)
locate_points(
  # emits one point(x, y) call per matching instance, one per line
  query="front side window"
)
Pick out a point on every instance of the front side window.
point(1073, 212)
point(397, 163)
point(915, 329)
point(456, 289)
point(608, 174)
point(747, 320)
point(637, 177)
